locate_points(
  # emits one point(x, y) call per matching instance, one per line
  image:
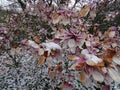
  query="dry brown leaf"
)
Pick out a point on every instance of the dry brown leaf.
point(108, 55)
point(59, 67)
point(77, 66)
point(82, 77)
point(46, 53)
point(56, 18)
point(36, 39)
point(15, 46)
point(41, 60)
point(62, 86)
point(55, 15)
point(84, 11)
point(72, 57)
point(100, 64)
point(51, 72)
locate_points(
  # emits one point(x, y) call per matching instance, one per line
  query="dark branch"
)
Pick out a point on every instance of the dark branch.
point(22, 4)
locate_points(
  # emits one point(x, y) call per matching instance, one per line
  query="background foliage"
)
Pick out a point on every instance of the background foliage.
point(38, 20)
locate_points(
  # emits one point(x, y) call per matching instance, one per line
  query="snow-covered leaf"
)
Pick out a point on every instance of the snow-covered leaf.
point(72, 49)
point(91, 63)
point(111, 34)
point(97, 76)
point(1, 38)
point(40, 51)
point(116, 59)
point(114, 45)
point(84, 51)
point(92, 14)
point(114, 74)
point(104, 69)
point(51, 46)
point(32, 44)
point(93, 58)
point(71, 43)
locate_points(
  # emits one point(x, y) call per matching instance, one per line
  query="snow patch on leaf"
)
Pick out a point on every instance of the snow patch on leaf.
point(51, 46)
point(91, 58)
point(32, 44)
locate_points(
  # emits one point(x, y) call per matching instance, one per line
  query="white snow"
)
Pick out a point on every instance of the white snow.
point(51, 45)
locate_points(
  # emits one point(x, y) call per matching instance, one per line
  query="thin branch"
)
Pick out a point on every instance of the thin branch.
point(49, 2)
point(22, 4)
